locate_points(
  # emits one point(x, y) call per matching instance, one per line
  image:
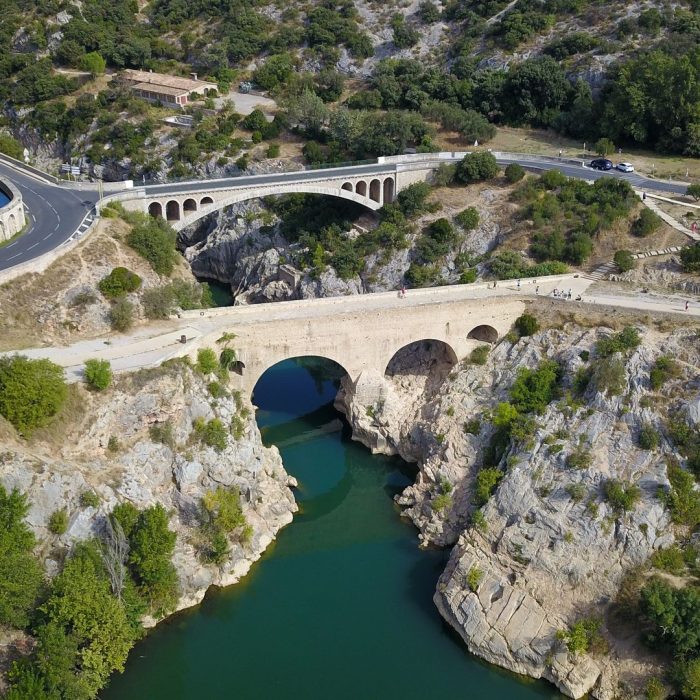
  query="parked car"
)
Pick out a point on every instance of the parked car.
point(625, 167)
point(601, 164)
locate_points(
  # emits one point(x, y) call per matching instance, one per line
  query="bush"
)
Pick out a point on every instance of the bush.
point(206, 361)
point(486, 482)
point(468, 218)
point(534, 389)
point(58, 522)
point(154, 240)
point(576, 491)
point(683, 500)
point(11, 147)
point(627, 339)
point(581, 636)
point(474, 578)
point(692, 190)
point(476, 167)
point(121, 315)
point(514, 172)
point(98, 374)
point(609, 376)
point(621, 495)
point(273, 150)
point(119, 282)
point(624, 260)
point(670, 559)
point(212, 433)
point(472, 427)
point(227, 358)
point(604, 147)
point(646, 224)
point(479, 355)
point(526, 325)
point(664, 368)
point(163, 433)
point(690, 258)
point(223, 508)
point(31, 392)
point(21, 575)
point(648, 437)
point(580, 458)
point(89, 499)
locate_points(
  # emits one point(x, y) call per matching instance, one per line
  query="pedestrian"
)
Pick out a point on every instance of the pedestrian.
point(560, 152)
point(554, 292)
point(403, 291)
point(569, 295)
point(686, 305)
point(518, 284)
point(537, 290)
point(644, 195)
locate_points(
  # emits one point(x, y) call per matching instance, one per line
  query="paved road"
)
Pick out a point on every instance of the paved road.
point(53, 215)
point(150, 345)
point(568, 168)
point(56, 212)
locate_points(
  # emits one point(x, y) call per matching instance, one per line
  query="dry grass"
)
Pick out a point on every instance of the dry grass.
point(69, 419)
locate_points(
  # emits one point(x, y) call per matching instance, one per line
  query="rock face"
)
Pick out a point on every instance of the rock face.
point(548, 547)
point(144, 472)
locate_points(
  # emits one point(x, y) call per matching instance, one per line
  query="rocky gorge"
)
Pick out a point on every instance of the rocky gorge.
point(548, 547)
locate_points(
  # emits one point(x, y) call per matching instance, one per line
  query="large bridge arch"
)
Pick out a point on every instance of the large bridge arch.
point(211, 202)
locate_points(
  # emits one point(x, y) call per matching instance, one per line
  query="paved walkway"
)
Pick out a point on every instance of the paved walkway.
point(668, 218)
point(151, 345)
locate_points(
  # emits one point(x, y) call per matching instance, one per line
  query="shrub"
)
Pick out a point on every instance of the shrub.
point(121, 315)
point(694, 191)
point(89, 499)
point(479, 355)
point(526, 325)
point(604, 147)
point(486, 482)
point(21, 574)
point(624, 260)
point(163, 433)
point(670, 559)
point(690, 258)
point(609, 376)
point(273, 150)
point(441, 502)
point(58, 522)
point(227, 358)
point(580, 458)
point(206, 361)
point(581, 636)
point(576, 491)
point(474, 578)
point(534, 389)
point(154, 240)
point(473, 426)
point(664, 368)
point(646, 224)
point(212, 433)
point(119, 282)
point(31, 392)
point(468, 218)
point(216, 389)
point(514, 172)
point(476, 167)
point(621, 495)
point(627, 339)
point(223, 508)
point(98, 374)
point(683, 500)
point(648, 437)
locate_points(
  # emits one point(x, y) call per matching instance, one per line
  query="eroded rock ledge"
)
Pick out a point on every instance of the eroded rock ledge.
point(549, 548)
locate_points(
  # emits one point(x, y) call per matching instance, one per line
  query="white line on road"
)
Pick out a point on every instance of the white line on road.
point(32, 246)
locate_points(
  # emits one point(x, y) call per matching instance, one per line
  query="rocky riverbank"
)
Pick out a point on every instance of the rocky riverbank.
point(548, 548)
point(135, 443)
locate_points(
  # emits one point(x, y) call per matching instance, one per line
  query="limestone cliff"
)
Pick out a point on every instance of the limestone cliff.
point(104, 444)
point(548, 546)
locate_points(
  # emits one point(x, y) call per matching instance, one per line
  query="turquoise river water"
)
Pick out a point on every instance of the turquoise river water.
point(340, 607)
point(4, 199)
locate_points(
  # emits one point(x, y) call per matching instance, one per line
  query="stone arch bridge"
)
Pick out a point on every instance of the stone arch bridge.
point(371, 185)
point(361, 333)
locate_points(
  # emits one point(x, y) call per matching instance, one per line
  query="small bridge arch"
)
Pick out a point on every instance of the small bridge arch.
point(484, 332)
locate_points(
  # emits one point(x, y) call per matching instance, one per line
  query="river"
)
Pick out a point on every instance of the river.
point(340, 607)
point(4, 199)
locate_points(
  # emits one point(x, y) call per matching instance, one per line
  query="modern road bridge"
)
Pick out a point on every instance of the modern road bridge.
point(60, 211)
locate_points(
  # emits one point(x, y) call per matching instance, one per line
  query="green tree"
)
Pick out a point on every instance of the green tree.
point(514, 172)
point(119, 282)
point(534, 389)
point(154, 240)
point(11, 147)
point(604, 147)
point(206, 361)
point(624, 260)
point(21, 575)
point(477, 166)
point(275, 71)
point(93, 63)
point(526, 325)
point(121, 315)
point(486, 482)
point(31, 392)
point(690, 258)
point(646, 223)
point(468, 218)
point(692, 190)
point(98, 374)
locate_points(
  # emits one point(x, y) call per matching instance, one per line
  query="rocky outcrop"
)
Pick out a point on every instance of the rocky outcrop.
point(548, 548)
point(109, 450)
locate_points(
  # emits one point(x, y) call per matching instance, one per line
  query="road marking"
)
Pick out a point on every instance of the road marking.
point(32, 246)
point(14, 256)
point(47, 236)
point(11, 244)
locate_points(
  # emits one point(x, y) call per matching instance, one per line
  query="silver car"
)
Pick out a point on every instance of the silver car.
point(625, 167)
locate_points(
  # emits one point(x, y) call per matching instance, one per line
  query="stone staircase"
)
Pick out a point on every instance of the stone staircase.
point(602, 271)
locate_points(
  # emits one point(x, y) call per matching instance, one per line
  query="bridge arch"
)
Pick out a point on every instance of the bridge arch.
point(172, 210)
point(206, 201)
point(375, 190)
point(485, 333)
point(422, 357)
point(189, 206)
point(347, 186)
point(389, 187)
point(361, 188)
point(155, 209)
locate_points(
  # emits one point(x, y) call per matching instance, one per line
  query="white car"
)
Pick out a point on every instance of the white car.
point(625, 167)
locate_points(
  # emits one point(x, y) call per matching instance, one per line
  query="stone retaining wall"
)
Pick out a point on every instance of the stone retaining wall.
point(12, 214)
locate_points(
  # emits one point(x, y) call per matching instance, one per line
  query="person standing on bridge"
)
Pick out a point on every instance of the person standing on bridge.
point(518, 284)
point(687, 304)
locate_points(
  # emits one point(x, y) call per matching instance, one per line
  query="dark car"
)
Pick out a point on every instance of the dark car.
point(601, 164)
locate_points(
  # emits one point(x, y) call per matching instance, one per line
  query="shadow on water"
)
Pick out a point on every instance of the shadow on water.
point(340, 606)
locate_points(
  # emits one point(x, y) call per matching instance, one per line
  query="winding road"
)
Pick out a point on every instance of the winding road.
point(57, 212)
